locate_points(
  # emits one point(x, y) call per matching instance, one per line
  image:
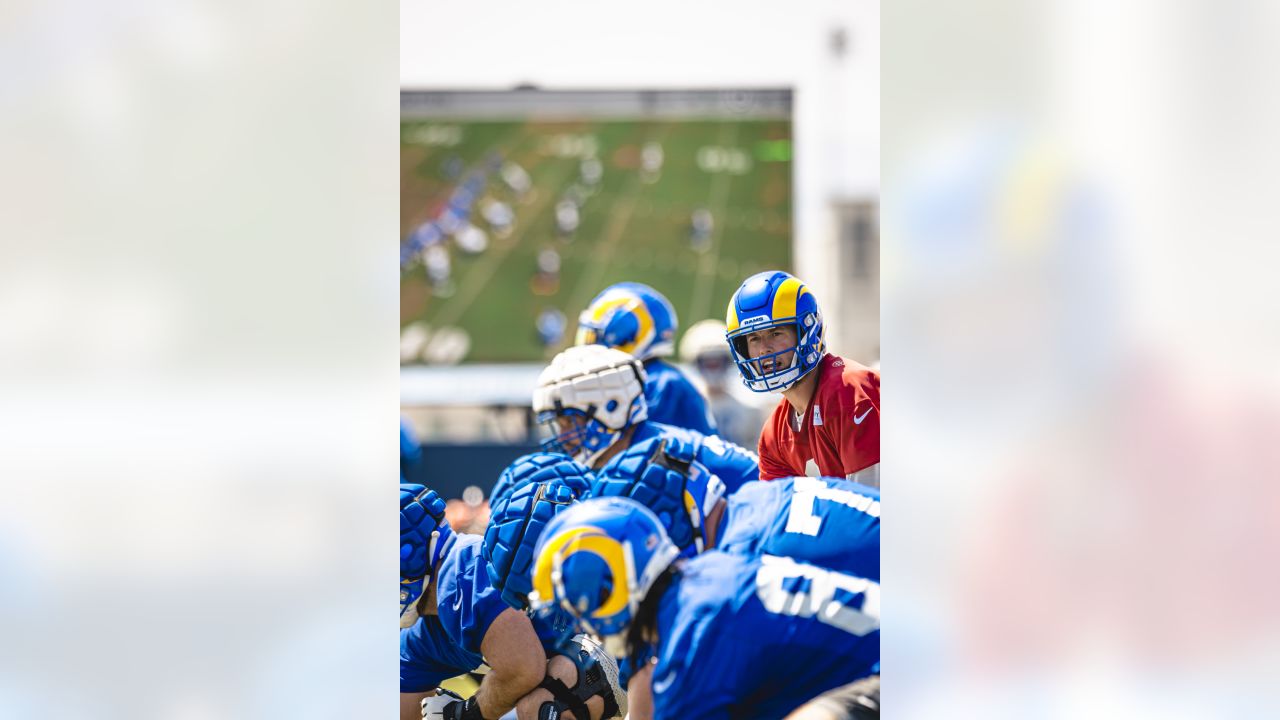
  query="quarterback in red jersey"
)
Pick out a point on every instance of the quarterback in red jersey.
point(830, 411)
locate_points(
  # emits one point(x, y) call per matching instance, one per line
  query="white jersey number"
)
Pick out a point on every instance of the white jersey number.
point(807, 491)
point(819, 599)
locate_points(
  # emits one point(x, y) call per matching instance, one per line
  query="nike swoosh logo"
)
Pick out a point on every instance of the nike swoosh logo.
point(458, 605)
point(858, 419)
point(662, 685)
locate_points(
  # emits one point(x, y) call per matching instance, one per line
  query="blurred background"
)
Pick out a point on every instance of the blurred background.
point(651, 151)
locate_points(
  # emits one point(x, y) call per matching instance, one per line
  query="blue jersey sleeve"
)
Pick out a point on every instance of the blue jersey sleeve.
point(428, 656)
point(673, 399)
point(830, 522)
point(467, 604)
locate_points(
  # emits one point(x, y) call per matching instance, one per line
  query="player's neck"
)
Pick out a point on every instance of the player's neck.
point(799, 395)
point(622, 443)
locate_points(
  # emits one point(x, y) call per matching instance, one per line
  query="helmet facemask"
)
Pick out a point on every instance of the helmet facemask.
point(778, 371)
point(577, 434)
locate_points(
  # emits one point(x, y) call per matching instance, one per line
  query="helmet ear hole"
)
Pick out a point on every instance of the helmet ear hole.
point(611, 406)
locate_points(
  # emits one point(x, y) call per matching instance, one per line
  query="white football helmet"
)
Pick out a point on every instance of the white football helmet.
point(704, 347)
point(587, 397)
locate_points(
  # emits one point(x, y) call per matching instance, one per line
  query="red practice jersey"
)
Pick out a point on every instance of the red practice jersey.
point(840, 430)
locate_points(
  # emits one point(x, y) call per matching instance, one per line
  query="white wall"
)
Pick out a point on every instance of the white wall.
point(567, 44)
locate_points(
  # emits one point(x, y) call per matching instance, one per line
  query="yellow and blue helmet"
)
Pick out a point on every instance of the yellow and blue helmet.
point(543, 485)
point(774, 299)
point(664, 475)
point(597, 561)
point(631, 317)
point(424, 537)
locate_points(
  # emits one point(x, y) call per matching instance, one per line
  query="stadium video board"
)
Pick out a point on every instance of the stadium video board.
point(518, 207)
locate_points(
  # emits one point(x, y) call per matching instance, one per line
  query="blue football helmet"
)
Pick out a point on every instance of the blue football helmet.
point(515, 524)
point(424, 535)
point(586, 398)
point(597, 561)
point(631, 317)
point(774, 299)
point(663, 475)
point(540, 467)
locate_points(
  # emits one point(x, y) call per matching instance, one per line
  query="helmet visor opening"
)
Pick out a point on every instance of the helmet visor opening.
point(563, 432)
point(587, 335)
point(771, 364)
point(768, 354)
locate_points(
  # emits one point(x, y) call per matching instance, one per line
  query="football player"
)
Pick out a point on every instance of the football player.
point(471, 624)
point(829, 522)
point(582, 679)
point(529, 492)
point(641, 322)
point(452, 620)
point(591, 400)
point(730, 635)
point(830, 409)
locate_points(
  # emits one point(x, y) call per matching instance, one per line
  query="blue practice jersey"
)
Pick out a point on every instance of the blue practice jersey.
point(756, 637)
point(428, 656)
point(673, 399)
point(466, 605)
point(733, 464)
point(447, 644)
point(834, 523)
